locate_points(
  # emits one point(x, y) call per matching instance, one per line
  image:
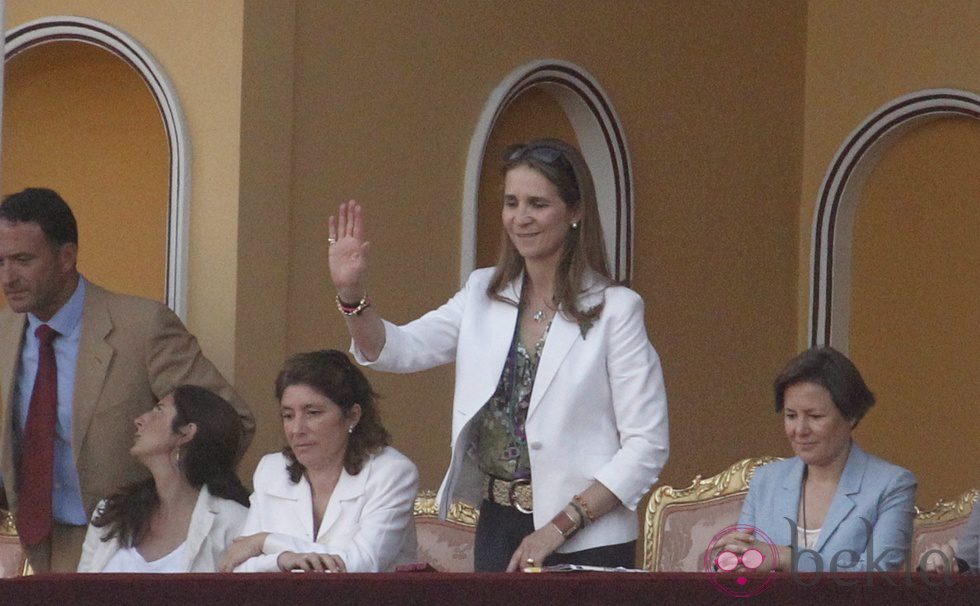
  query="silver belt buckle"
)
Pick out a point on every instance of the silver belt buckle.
point(512, 494)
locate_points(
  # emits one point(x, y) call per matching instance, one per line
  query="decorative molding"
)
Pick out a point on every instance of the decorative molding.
point(602, 141)
point(833, 223)
point(8, 535)
point(7, 527)
point(103, 35)
point(733, 480)
point(959, 508)
point(459, 512)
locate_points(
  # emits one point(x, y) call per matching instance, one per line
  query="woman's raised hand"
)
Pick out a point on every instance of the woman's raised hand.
point(348, 270)
point(348, 251)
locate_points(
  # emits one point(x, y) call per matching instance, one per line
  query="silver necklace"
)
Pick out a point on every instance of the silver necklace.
point(803, 498)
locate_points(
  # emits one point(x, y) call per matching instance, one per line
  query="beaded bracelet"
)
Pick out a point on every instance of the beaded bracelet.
point(588, 512)
point(353, 310)
point(583, 520)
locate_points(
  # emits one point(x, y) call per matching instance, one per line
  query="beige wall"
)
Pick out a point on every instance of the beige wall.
point(239, 174)
point(731, 112)
point(914, 319)
point(860, 55)
point(206, 68)
point(532, 115)
point(79, 120)
point(263, 229)
point(711, 98)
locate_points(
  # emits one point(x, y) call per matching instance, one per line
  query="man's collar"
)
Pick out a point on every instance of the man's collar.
point(66, 319)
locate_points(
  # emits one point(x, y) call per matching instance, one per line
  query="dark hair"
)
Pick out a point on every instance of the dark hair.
point(584, 249)
point(207, 459)
point(44, 207)
point(331, 373)
point(829, 368)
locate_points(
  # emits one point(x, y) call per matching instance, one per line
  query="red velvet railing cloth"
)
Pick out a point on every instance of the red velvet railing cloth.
point(473, 589)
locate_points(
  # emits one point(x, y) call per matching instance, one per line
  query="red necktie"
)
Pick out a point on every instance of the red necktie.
point(34, 517)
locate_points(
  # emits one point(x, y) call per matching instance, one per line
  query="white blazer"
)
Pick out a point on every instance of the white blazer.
point(598, 409)
point(368, 521)
point(215, 522)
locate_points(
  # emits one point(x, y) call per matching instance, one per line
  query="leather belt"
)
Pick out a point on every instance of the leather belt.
point(510, 493)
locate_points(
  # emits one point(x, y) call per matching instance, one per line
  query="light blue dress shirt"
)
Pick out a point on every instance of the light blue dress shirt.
point(67, 504)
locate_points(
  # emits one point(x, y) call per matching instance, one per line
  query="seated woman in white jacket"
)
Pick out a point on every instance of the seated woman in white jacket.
point(183, 517)
point(338, 498)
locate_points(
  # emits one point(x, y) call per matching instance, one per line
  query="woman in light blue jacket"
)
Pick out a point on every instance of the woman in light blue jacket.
point(832, 507)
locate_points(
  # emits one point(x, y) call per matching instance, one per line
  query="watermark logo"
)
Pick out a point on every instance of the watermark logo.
point(741, 575)
point(744, 566)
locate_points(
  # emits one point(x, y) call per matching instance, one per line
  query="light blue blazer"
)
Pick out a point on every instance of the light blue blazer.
point(868, 525)
point(968, 549)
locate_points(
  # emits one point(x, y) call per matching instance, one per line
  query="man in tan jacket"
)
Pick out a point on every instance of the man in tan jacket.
point(116, 355)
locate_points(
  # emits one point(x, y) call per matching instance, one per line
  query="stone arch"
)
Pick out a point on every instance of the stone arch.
point(120, 44)
point(833, 223)
point(602, 141)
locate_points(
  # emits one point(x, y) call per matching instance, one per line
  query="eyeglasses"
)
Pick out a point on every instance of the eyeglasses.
point(729, 561)
point(544, 153)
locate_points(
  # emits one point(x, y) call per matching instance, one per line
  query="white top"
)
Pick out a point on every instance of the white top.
point(215, 522)
point(128, 559)
point(808, 538)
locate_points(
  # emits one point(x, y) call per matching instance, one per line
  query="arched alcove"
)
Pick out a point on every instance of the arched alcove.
point(833, 224)
point(602, 142)
point(88, 31)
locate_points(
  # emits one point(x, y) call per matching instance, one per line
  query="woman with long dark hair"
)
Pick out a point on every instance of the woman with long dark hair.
point(559, 414)
point(183, 517)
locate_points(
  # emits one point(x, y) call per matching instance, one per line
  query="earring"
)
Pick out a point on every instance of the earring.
point(575, 225)
point(350, 429)
point(177, 457)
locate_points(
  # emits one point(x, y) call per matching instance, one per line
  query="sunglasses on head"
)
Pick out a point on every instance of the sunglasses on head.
point(544, 153)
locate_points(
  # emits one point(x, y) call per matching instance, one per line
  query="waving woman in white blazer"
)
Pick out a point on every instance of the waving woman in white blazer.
point(338, 498)
point(559, 413)
point(183, 517)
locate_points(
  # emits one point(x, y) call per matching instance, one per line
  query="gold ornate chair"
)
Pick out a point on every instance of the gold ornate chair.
point(680, 523)
point(445, 544)
point(941, 524)
point(13, 558)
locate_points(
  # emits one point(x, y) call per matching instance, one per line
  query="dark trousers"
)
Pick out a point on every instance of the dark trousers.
point(501, 529)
